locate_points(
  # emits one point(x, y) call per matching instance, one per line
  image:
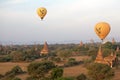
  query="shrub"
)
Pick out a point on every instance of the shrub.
point(15, 70)
point(56, 73)
point(39, 69)
point(65, 78)
point(71, 62)
point(98, 71)
point(81, 77)
point(1, 76)
point(16, 78)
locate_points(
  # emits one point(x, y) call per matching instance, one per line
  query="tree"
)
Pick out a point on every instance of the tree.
point(39, 69)
point(71, 62)
point(108, 45)
point(56, 73)
point(65, 78)
point(5, 58)
point(15, 70)
point(64, 53)
point(81, 77)
point(98, 71)
point(17, 56)
point(16, 78)
point(1, 76)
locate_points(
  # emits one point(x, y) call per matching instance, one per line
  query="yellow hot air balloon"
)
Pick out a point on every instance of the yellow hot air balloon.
point(102, 29)
point(41, 12)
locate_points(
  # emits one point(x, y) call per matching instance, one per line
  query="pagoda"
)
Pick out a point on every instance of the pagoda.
point(113, 41)
point(81, 44)
point(45, 49)
point(117, 50)
point(99, 58)
point(110, 60)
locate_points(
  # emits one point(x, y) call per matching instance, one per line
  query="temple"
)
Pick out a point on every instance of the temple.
point(109, 60)
point(45, 49)
point(113, 41)
point(81, 44)
point(117, 50)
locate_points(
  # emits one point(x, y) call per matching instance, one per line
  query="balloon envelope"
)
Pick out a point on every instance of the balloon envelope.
point(41, 12)
point(102, 29)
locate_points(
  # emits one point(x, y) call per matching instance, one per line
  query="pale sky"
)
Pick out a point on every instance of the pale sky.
point(66, 20)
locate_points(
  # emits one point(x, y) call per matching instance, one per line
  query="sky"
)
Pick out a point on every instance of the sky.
point(67, 21)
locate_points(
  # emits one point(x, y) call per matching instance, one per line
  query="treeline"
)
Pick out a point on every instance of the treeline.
point(17, 53)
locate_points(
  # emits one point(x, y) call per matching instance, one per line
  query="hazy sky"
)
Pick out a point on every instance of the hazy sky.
point(66, 20)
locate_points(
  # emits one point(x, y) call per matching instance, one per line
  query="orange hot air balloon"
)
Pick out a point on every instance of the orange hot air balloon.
point(41, 12)
point(102, 29)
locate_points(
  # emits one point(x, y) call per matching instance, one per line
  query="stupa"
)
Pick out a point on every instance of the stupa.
point(81, 43)
point(113, 41)
point(109, 60)
point(99, 58)
point(45, 49)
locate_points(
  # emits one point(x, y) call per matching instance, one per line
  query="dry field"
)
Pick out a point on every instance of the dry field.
point(74, 71)
point(69, 71)
point(7, 66)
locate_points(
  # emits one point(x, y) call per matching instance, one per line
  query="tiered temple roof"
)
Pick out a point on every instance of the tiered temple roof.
point(45, 49)
point(99, 58)
point(109, 60)
point(117, 50)
point(81, 43)
point(113, 41)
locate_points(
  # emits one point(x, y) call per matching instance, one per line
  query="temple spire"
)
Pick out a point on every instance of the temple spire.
point(45, 49)
point(113, 41)
point(112, 54)
point(81, 43)
point(99, 57)
point(117, 50)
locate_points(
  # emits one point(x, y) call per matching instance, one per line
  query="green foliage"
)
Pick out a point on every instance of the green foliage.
point(83, 48)
point(65, 78)
point(5, 58)
point(106, 52)
point(81, 77)
point(64, 53)
point(31, 78)
point(17, 56)
point(16, 78)
point(39, 69)
point(108, 45)
point(92, 51)
point(71, 59)
point(71, 62)
point(98, 71)
point(118, 54)
point(56, 59)
point(87, 62)
point(9, 77)
point(56, 73)
point(15, 70)
point(24, 55)
point(1, 76)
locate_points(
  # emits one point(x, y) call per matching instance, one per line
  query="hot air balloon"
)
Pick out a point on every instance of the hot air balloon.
point(102, 29)
point(41, 12)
